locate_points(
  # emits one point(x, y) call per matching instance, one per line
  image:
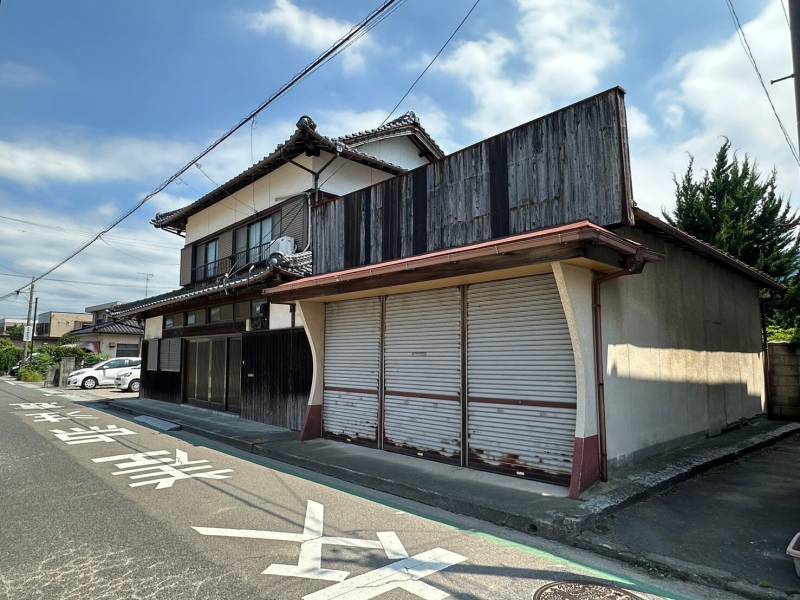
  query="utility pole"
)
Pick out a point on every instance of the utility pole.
point(28, 321)
point(33, 325)
point(147, 278)
point(794, 20)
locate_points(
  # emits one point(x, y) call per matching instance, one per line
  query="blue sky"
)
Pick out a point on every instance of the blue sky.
point(100, 101)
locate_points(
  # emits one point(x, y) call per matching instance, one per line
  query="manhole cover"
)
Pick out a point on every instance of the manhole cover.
point(582, 591)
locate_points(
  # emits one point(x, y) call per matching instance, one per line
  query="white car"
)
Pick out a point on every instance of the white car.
point(128, 381)
point(103, 373)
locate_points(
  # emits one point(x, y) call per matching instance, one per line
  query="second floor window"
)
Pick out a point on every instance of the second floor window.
point(206, 256)
point(253, 242)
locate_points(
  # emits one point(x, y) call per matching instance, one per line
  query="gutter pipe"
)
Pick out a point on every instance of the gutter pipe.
point(635, 266)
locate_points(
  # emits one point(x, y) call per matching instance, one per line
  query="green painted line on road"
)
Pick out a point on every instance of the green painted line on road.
point(346, 488)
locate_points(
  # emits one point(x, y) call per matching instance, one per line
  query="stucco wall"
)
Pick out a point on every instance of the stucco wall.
point(683, 351)
point(153, 327)
point(105, 342)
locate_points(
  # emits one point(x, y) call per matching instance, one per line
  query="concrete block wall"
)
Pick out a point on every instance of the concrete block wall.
point(784, 381)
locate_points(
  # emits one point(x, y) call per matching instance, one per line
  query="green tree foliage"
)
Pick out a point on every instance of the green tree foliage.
point(15, 332)
point(736, 209)
point(9, 355)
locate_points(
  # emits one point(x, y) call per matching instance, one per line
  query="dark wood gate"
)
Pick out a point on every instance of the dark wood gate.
point(276, 377)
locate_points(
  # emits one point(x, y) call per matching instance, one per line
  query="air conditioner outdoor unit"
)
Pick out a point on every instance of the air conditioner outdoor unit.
point(284, 245)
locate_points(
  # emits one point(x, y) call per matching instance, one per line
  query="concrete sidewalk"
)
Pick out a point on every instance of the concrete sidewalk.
point(524, 505)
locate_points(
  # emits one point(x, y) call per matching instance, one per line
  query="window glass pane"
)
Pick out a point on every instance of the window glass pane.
point(175, 320)
point(266, 237)
point(220, 313)
point(211, 258)
point(196, 317)
point(241, 247)
point(253, 240)
point(170, 359)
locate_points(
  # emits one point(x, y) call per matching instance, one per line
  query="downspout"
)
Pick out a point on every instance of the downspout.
point(635, 266)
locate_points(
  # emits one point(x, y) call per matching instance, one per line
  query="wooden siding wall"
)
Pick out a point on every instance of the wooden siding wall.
point(159, 385)
point(281, 368)
point(564, 167)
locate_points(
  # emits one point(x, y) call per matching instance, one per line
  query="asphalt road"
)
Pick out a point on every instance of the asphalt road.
point(75, 527)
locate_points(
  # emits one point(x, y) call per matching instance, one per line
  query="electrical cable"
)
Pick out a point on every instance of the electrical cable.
point(433, 60)
point(749, 52)
point(355, 33)
point(420, 76)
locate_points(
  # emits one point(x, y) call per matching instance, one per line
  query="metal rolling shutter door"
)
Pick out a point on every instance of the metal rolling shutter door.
point(521, 379)
point(352, 369)
point(422, 374)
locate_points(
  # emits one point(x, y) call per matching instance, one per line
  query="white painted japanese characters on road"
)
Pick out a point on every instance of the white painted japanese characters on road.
point(36, 405)
point(52, 417)
point(160, 469)
point(403, 574)
point(95, 433)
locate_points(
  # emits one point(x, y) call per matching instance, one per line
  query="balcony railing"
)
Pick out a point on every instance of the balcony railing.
point(243, 258)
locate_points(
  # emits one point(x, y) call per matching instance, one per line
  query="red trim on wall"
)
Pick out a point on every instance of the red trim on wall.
point(312, 424)
point(585, 465)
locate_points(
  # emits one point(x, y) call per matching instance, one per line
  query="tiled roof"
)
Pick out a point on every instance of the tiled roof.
point(710, 251)
point(124, 327)
point(297, 265)
point(304, 138)
point(402, 125)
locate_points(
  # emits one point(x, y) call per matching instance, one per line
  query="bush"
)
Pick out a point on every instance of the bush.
point(92, 358)
point(783, 334)
point(30, 374)
point(9, 355)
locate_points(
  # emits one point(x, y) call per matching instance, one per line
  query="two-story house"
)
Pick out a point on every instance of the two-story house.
point(113, 337)
point(216, 342)
point(506, 307)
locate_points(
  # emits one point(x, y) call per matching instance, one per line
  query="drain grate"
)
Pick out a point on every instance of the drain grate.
point(582, 591)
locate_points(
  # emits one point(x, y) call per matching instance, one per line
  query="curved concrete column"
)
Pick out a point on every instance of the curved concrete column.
point(575, 288)
point(313, 315)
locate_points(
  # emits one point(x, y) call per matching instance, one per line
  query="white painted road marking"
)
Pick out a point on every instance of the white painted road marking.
point(162, 472)
point(80, 435)
point(51, 417)
point(36, 405)
point(309, 563)
point(401, 575)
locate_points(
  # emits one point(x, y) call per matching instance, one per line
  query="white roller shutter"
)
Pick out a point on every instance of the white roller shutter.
point(520, 378)
point(352, 369)
point(422, 374)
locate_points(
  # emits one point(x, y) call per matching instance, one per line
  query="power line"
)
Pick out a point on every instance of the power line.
point(355, 33)
point(420, 76)
point(98, 283)
point(785, 14)
point(433, 60)
point(749, 52)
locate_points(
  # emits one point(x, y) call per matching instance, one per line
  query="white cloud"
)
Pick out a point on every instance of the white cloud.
point(712, 92)
point(558, 46)
point(638, 124)
point(13, 74)
point(111, 271)
point(75, 159)
point(310, 31)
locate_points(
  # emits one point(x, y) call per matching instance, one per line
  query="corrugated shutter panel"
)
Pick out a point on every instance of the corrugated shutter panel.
point(521, 379)
point(218, 370)
point(352, 369)
point(422, 374)
point(186, 266)
point(293, 221)
point(152, 355)
point(170, 357)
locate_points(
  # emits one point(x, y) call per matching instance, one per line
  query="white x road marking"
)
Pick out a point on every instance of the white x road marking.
point(403, 574)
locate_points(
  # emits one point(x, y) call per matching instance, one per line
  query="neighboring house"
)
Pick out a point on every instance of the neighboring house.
point(116, 338)
point(215, 341)
point(5, 323)
point(505, 308)
point(56, 324)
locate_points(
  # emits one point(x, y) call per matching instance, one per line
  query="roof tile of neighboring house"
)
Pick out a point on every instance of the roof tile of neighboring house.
point(126, 327)
point(304, 139)
point(298, 265)
point(402, 125)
